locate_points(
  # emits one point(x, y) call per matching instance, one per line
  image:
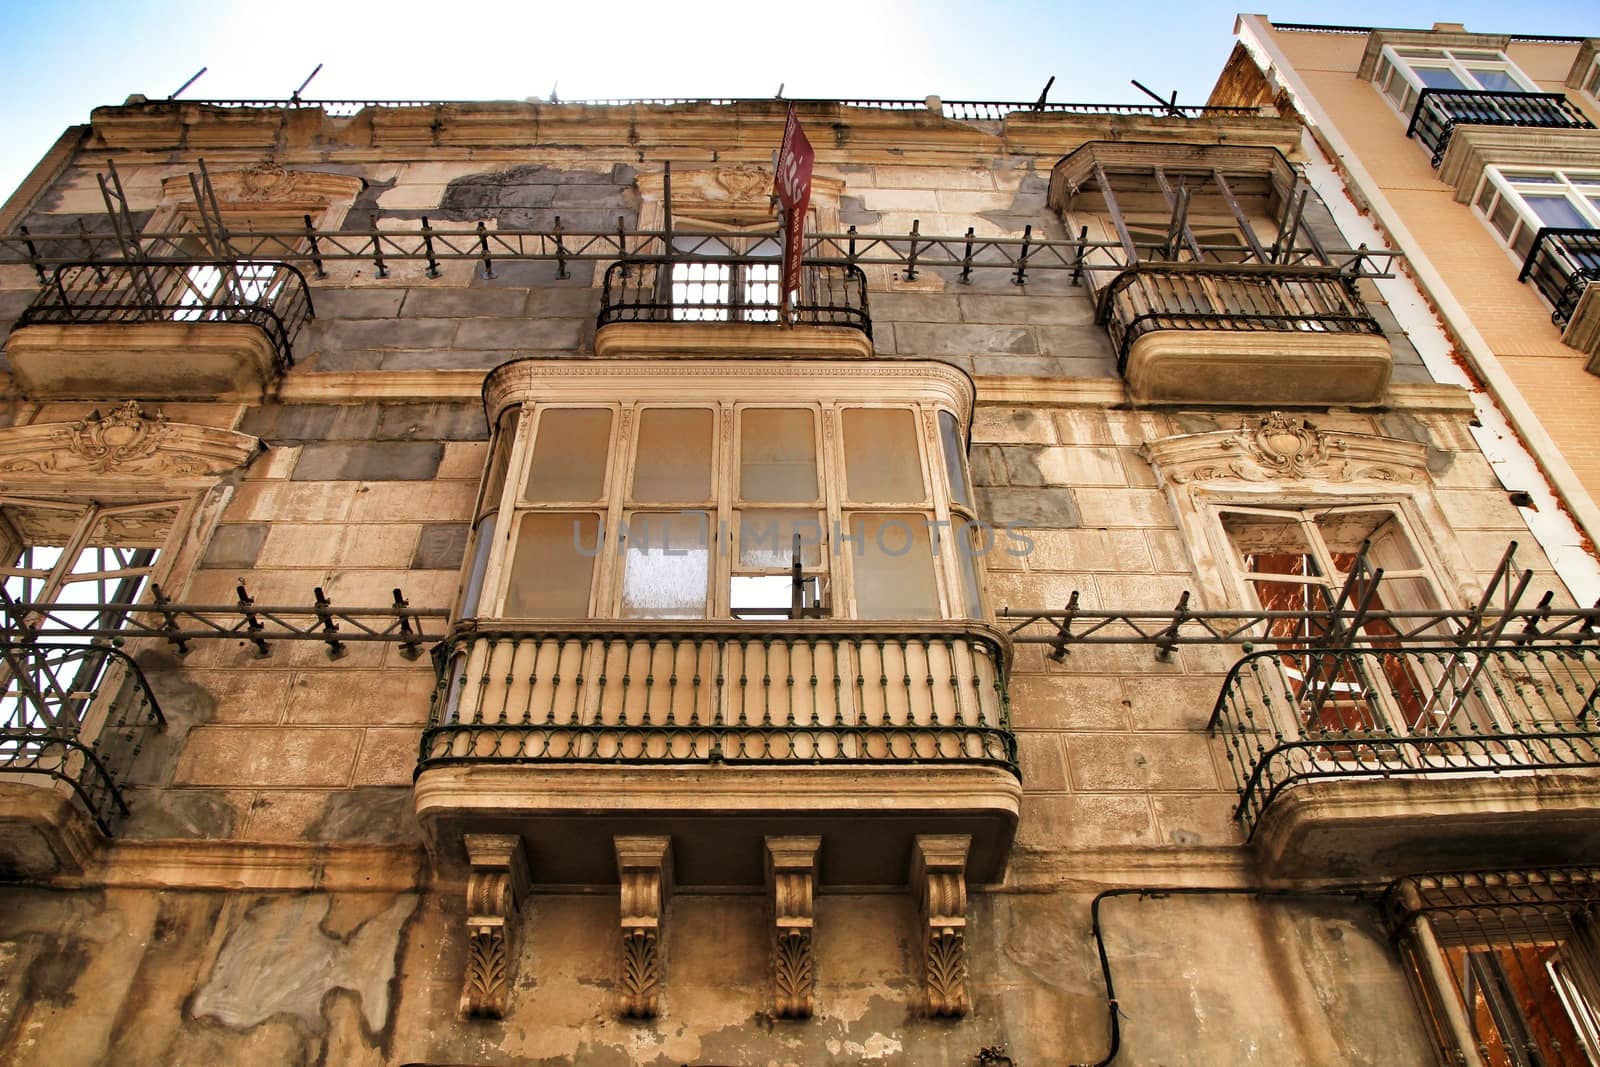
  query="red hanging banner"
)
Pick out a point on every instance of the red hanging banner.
point(792, 183)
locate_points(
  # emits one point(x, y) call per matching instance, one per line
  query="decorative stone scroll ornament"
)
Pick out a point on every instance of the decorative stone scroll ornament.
point(124, 442)
point(939, 878)
point(644, 867)
point(496, 886)
point(791, 883)
point(1281, 447)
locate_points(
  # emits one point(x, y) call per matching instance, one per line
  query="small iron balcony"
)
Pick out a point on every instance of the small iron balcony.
point(74, 714)
point(160, 327)
point(1244, 334)
point(738, 289)
point(1426, 755)
point(717, 732)
point(1561, 265)
point(1439, 111)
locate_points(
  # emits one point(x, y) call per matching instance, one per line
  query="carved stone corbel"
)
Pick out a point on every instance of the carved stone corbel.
point(644, 867)
point(791, 885)
point(939, 878)
point(496, 886)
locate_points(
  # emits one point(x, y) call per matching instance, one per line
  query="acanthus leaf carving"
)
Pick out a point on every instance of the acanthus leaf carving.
point(791, 883)
point(496, 886)
point(939, 878)
point(644, 870)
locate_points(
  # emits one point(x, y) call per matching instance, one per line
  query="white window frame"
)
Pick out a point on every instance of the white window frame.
point(1497, 188)
point(1402, 94)
point(487, 582)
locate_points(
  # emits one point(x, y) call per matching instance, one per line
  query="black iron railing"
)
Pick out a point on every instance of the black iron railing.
point(730, 289)
point(270, 295)
point(1439, 111)
point(78, 714)
point(1288, 717)
point(955, 109)
point(790, 693)
point(1561, 265)
point(1153, 297)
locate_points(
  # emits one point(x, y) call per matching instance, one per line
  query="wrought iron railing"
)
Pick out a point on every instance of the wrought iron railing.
point(1180, 296)
point(1439, 111)
point(730, 289)
point(788, 693)
point(267, 294)
point(955, 109)
point(1293, 716)
point(1561, 265)
point(78, 714)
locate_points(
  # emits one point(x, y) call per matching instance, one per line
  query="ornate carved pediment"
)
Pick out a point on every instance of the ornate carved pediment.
point(269, 185)
point(126, 442)
point(1277, 447)
point(738, 195)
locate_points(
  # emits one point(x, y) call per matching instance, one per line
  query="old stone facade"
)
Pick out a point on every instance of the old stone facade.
point(542, 655)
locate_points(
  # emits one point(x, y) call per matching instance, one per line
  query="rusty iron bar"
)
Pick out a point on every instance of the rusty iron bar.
point(427, 245)
point(1022, 256)
point(252, 623)
point(335, 646)
point(316, 254)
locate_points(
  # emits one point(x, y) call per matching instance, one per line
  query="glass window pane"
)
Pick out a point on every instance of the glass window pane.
point(1495, 80)
point(673, 458)
point(495, 484)
point(1556, 211)
point(777, 454)
point(766, 539)
point(1504, 218)
point(569, 455)
point(893, 563)
point(969, 542)
point(665, 565)
point(955, 467)
point(1438, 78)
point(881, 457)
point(553, 566)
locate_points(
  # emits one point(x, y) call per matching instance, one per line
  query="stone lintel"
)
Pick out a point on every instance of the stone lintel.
point(735, 339)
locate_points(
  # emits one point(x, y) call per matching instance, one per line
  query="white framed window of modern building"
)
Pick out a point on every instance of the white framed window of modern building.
point(706, 505)
point(1404, 71)
point(1519, 202)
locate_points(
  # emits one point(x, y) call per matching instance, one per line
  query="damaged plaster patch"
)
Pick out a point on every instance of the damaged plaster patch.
point(876, 1047)
point(278, 960)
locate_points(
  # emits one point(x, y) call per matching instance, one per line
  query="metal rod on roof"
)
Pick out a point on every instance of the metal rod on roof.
point(294, 97)
point(1038, 105)
point(1170, 105)
point(193, 78)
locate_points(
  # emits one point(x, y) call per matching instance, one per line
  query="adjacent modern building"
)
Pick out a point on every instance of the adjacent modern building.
point(1133, 606)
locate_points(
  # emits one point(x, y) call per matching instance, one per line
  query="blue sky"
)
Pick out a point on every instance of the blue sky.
point(66, 58)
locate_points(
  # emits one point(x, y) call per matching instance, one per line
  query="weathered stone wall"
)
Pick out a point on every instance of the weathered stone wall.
point(211, 934)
